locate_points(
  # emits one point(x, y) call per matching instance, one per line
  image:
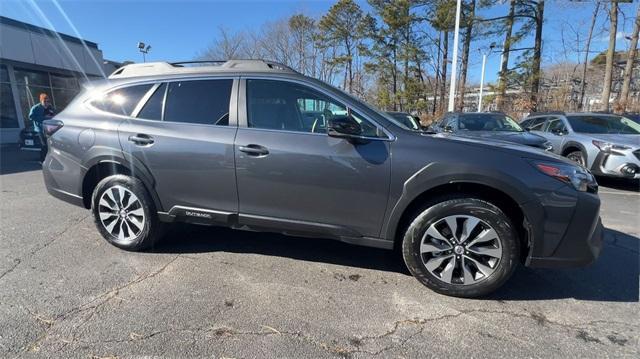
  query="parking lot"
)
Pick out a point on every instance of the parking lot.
point(204, 291)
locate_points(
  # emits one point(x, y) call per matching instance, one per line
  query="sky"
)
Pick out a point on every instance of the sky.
point(180, 30)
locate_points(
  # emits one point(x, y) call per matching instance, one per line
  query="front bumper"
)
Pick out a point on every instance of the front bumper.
point(580, 242)
point(624, 164)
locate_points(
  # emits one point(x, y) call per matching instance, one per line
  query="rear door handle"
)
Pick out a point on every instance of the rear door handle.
point(254, 150)
point(141, 139)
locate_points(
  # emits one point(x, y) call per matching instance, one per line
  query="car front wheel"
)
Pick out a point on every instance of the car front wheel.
point(125, 214)
point(464, 247)
point(577, 157)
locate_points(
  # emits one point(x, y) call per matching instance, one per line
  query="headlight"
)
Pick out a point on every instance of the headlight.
point(608, 147)
point(547, 146)
point(577, 176)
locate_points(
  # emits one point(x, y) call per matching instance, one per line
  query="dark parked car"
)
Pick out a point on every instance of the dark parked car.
point(255, 145)
point(489, 126)
point(30, 140)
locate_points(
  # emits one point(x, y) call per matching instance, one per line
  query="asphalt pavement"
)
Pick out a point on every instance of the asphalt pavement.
point(214, 292)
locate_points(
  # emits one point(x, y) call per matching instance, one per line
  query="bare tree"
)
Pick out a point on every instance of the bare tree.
point(586, 55)
point(631, 57)
point(608, 72)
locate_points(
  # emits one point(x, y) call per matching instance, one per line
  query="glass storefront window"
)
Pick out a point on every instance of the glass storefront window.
point(31, 77)
point(29, 96)
point(64, 82)
point(8, 115)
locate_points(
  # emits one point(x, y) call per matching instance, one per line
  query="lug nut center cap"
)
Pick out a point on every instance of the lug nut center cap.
point(458, 249)
point(123, 213)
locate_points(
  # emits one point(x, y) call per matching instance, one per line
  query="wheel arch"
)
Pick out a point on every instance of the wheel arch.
point(107, 165)
point(497, 195)
point(571, 146)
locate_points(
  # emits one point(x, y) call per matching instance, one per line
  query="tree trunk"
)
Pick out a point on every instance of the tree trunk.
point(608, 71)
point(537, 55)
point(628, 69)
point(445, 58)
point(465, 55)
point(586, 56)
point(437, 77)
point(504, 61)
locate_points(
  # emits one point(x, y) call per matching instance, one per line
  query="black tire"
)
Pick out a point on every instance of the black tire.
point(578, 157)
point(152, 229)
point(461, 205)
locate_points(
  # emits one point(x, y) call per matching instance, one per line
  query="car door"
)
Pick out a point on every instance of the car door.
point(293, 176)
point(555, 131)
point(183, 134)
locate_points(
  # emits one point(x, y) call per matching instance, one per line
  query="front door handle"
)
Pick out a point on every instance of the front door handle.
point(141, 139)
point(254, 150)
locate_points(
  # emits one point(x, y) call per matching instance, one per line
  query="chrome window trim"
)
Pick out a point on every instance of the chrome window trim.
point(243, 94)
point(157, 83)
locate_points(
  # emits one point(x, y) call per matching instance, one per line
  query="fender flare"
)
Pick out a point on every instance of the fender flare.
point(425, 180)
point(575, 144)
point(99, 155)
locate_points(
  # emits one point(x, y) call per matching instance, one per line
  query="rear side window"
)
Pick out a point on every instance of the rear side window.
point(152, 110)
point(121, 101)
point(200, 102)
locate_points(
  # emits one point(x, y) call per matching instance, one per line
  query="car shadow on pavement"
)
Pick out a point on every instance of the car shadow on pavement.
point(13, 160)
point(613, 278)
point(624, 184)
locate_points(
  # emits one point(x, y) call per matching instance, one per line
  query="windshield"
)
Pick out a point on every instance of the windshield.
point(484, 122)
point(603, 124)
point(406, 119)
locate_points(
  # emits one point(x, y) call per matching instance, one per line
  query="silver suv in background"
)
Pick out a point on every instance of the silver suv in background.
point(255, 145)
point(606, 144)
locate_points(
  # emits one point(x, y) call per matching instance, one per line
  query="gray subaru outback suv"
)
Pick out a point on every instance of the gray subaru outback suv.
point(255, 145)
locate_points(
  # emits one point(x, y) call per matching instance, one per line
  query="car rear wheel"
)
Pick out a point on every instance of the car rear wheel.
point(578, 157)
point(125, 213)
point(460, 246)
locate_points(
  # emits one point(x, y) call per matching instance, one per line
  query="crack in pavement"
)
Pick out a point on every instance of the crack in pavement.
point(335, 349)
point(53, 238)
point(101, 300)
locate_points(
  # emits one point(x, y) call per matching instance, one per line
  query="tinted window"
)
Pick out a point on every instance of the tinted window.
point(485, 122)
point(201, 101)
point(121, 101)
point(603, 124)
point(152, 110)
point(281, 105)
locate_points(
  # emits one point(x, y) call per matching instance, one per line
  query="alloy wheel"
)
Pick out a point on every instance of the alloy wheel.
point(121, 214)
point(461, 249)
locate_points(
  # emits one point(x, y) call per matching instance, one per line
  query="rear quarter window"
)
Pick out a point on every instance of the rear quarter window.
point(121, 101)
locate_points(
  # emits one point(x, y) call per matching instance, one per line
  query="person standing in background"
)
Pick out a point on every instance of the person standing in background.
point(38, 113)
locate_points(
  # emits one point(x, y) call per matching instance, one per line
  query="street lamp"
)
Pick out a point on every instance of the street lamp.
point(484, 64)
point(144, 49)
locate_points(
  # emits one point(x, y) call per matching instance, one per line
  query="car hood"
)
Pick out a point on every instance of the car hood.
point(524, 138)
point(630, 140)
point(523, 151)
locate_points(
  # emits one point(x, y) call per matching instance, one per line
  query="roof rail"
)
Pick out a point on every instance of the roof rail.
point(205, 66)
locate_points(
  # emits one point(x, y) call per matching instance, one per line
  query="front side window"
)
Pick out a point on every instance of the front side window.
point(121, 101)
point(200, 102)
point(288, 106)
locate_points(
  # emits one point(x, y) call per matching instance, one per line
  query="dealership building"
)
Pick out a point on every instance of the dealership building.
point(34, 60)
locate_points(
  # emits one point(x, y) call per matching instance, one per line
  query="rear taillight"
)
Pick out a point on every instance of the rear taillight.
point(51, 126)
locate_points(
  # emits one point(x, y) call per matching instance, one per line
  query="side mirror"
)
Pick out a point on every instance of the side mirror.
point(344, 127)
point(528, 129)
point(448, 128)
point(558, 132)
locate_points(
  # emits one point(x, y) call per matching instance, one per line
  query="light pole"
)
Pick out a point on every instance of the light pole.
point(484, 64)
point(144, 49)
point(454, 62)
